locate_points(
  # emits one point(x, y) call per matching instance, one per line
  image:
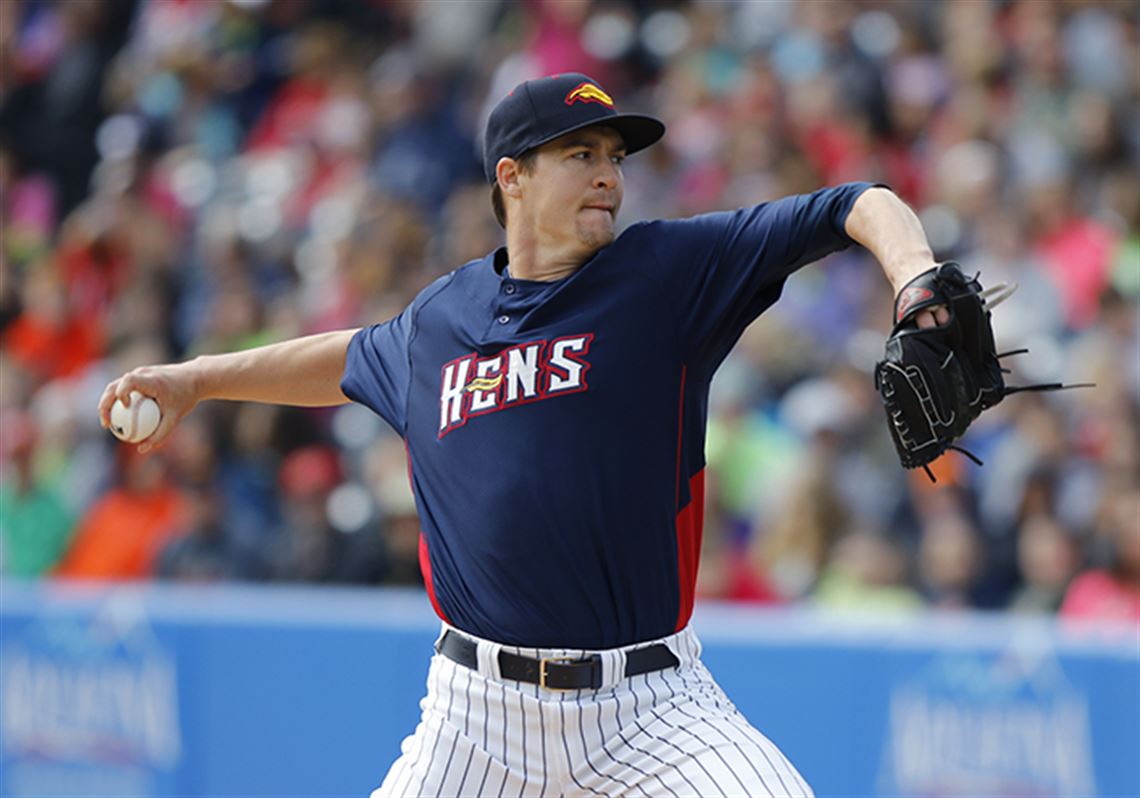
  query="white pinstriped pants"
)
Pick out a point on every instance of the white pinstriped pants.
point(668, 733)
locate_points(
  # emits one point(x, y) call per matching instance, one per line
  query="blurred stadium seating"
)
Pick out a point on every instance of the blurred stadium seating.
point(186, 177)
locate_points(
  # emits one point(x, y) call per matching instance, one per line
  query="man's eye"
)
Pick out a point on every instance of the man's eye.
point(582, 156)
point(618, 159)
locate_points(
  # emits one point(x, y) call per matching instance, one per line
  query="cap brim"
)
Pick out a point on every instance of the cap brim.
point(637, 130)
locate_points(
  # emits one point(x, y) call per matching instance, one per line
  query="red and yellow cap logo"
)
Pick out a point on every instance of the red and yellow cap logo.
point(589, 93)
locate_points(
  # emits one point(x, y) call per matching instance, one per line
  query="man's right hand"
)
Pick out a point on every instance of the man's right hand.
point(172, 386)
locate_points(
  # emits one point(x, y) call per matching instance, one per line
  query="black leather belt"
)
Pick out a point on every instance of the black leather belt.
point(555, 673)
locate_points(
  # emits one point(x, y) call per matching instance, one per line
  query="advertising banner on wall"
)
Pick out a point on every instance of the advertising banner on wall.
point(936, 706)
point(90, 704)
point(151, 691)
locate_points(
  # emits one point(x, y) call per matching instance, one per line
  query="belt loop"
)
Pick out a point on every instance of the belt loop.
point(685, 645)
point(692, 644)
point(488, 657)
point(613, 666)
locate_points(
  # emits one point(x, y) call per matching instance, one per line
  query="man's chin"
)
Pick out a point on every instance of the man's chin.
point(596, 236)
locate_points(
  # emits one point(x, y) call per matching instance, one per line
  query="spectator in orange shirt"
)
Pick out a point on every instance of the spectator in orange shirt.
point(121, 534)
point(47, 338)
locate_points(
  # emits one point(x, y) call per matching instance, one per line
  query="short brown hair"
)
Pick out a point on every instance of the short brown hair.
point(526, 166)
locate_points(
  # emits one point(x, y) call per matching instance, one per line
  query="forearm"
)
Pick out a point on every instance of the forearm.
point(303, 371)
point(889, 229)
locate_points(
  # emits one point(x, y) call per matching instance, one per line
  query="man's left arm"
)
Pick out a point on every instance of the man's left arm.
point(891, 231)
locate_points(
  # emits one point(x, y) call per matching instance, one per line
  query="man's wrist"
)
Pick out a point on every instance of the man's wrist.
point(904, 270)
point(196, 371)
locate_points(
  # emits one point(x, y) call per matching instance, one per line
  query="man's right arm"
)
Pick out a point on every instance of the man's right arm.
point(302, 371)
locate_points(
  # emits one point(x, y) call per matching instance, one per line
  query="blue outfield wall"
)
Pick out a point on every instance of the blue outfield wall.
point(264, 691)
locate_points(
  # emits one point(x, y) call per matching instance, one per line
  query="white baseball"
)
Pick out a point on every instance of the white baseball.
point(137, 422)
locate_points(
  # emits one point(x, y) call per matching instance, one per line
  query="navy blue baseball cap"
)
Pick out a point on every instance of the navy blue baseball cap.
point(541, 110)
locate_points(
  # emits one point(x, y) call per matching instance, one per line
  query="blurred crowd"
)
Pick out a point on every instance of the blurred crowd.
point(182, 177)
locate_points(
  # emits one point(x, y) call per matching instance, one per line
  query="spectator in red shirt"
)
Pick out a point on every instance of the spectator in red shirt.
point(1112, 592)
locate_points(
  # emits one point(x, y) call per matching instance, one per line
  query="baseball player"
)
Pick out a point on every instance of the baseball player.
point(553, 397)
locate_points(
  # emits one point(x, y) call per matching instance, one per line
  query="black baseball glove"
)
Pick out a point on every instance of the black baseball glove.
point(934, 382)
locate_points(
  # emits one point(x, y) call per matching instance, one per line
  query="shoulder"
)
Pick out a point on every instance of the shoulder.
point(471, 270)
point(666, 239)
point(450, 287)
point(404, 323)
point(674, 229)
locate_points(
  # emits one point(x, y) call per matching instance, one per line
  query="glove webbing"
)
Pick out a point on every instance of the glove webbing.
point(1040, 387)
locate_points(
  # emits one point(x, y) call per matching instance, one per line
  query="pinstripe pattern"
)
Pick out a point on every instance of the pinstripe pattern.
point(667, 733)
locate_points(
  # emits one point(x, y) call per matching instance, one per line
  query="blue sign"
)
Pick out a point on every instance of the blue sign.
point(266, 691)
point(91, 705)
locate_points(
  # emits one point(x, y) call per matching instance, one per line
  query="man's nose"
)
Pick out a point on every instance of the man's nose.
point(607, 175)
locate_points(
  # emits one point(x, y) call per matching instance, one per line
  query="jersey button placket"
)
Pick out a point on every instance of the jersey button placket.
point(509, 288)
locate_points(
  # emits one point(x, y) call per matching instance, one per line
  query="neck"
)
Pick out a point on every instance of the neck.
point(533, 259)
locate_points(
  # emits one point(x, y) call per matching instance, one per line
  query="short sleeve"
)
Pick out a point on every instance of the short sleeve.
point(721, 270)
point(377, 369)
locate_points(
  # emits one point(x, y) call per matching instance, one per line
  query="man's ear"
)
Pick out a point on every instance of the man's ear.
point(507, 174)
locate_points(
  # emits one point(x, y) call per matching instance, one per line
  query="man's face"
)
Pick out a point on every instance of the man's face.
point(571, 197)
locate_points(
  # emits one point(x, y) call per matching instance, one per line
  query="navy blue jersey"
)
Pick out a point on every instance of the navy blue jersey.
point(556, 430)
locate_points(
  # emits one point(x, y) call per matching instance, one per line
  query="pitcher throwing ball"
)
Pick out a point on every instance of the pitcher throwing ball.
point(553, 396)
